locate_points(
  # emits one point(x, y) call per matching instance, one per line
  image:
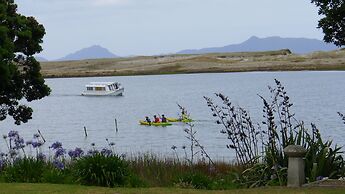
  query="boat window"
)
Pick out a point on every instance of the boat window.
point(89, 88)
point(99, 88)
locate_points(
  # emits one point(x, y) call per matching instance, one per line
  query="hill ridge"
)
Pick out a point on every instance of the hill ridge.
point(92, 52)
point(254, 43)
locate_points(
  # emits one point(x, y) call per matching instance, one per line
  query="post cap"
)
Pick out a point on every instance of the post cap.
point(295, 151)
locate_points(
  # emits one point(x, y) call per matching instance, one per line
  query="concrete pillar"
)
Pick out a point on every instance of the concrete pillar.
point(296, 176)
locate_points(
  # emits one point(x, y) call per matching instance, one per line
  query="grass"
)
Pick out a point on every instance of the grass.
point(281, 60)
point(158, 172)
point(25, 188)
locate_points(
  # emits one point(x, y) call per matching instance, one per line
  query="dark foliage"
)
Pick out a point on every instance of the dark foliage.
point(239, 128)
point(28, 170)
point(342, 116)
point(102, 170)
point(194, 180)
point(20, 76)
point(333, 22)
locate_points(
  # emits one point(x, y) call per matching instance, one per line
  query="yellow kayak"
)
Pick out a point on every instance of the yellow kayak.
point(141, 122)
point(185, 120)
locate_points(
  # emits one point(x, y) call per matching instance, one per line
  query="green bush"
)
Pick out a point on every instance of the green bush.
point(57, 176)
point(225, 182)
point(27, 170)
point(321, 159)
point(155, 170)
point(194, 180)
point(101, 170)
point(136, 181)
point(261, 174)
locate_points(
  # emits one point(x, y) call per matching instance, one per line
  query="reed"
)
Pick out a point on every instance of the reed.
point(162, 172)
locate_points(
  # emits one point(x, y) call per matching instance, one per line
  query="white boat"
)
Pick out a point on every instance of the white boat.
point(103, 89)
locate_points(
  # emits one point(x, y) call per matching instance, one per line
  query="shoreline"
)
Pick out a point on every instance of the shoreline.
point(215, 72)
point(269, 61)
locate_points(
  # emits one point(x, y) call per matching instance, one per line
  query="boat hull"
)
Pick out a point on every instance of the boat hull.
point(154, 124)
point(186, 120)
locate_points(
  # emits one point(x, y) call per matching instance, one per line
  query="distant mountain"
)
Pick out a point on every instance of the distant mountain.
point(40, 59)
point(296, 45)
point(93, 52)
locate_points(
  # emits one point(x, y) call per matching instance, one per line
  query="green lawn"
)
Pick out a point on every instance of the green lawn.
point(23, 188)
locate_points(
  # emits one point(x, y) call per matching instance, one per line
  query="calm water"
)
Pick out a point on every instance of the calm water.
point(317, 96)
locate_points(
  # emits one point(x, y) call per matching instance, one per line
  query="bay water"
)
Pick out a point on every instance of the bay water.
point(62, 116)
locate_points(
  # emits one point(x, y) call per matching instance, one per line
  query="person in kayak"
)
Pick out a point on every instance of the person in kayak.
point(148, 120)
point(156, 119)
point(163, 119)
point(184, 114)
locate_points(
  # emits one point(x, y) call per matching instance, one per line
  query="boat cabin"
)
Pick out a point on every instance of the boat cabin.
point(102, 86)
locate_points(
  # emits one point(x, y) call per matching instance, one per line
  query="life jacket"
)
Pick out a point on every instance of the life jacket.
point(156, 120)
point(164, 120)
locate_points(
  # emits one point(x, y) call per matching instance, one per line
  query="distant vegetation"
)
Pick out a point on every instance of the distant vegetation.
point(281, 60)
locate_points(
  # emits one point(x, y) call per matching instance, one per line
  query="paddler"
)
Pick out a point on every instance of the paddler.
point(148, 120)
point(184, 114)
point(156, 119)
point(163, 119)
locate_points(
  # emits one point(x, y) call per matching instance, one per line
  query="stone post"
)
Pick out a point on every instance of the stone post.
point(296, 176)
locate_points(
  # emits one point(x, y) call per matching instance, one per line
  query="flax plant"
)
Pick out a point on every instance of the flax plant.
point(279, 129)
point(239, 128)
point(342, 116)
point(282, 127)
point(195, 146)
point(195, 143)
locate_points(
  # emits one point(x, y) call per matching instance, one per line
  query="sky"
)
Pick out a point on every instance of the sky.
point(152, 27)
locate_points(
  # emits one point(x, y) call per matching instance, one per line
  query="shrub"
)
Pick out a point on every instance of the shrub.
point(261, 174)
point(200, 180)
point(135, 181)
point(101, 170)
point(157, 171)
point(27, 170)
point(321, 159)
point(194, 180)
point(57, 176)
point(226, 181)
